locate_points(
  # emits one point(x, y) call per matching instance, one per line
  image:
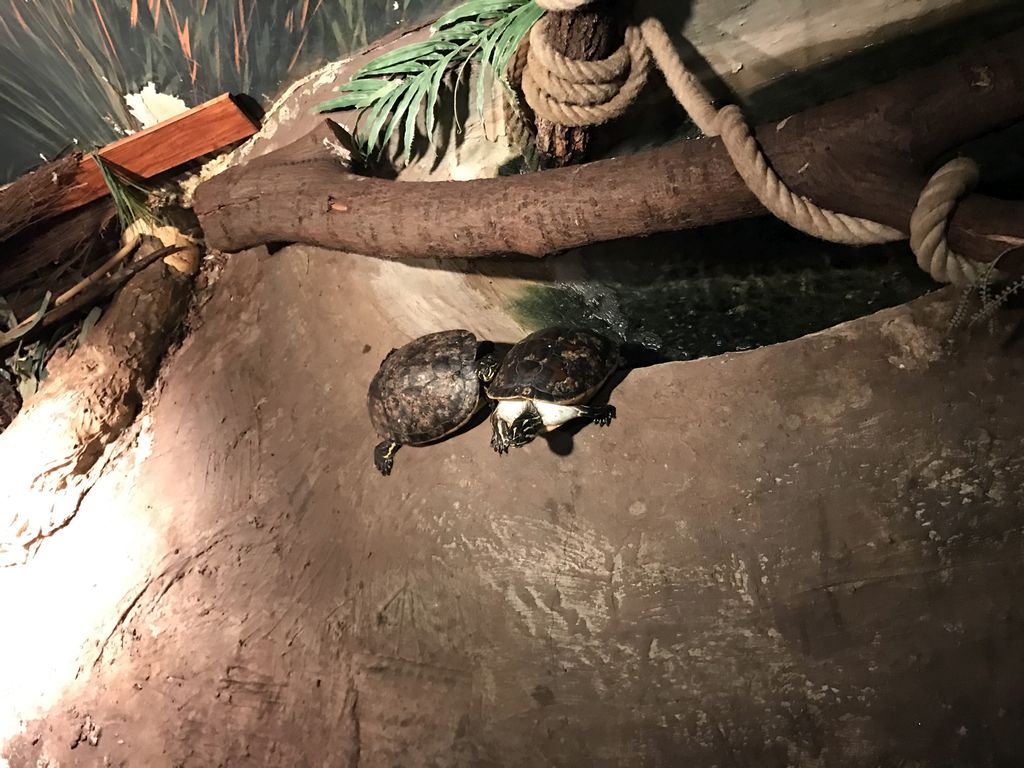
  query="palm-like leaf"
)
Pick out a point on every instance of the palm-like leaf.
point(399, 83)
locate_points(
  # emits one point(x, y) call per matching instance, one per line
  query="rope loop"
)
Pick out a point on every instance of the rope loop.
point(930, 221)
point(577, 93)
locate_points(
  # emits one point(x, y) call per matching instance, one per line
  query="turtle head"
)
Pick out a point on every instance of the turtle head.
point(487, 368)
point(525, 428)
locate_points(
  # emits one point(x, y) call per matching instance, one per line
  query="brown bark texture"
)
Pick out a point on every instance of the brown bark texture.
point(868, 154)
point(54, 254)
point(34, 196)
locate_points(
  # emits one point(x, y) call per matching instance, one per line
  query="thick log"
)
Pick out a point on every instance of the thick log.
point(867, 154)
point(586, 34)
point(53, 254)
point(34, 196)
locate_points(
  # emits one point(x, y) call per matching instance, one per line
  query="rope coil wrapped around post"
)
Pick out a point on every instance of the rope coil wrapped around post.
point(583, 93)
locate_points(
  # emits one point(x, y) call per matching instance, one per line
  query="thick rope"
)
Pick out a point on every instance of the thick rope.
point(930, 220)
point(578, 93)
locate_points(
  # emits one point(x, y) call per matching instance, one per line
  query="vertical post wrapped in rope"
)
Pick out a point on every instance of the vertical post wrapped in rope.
point(584, 31)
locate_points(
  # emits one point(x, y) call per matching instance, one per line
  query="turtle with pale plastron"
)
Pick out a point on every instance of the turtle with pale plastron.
point(546, 380)
point(426, 390)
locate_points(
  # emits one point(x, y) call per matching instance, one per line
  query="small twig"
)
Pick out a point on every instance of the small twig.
point(108, 286)
point(26, 325)
point(95, 276)
point(97, 291)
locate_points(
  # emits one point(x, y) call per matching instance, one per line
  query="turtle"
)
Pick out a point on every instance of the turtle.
point(545, 380)
point(427, 389)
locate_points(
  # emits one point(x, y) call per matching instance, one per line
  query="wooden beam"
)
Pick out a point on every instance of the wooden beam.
point(161, 147)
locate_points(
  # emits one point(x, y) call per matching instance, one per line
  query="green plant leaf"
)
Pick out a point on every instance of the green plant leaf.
point(434, 89)
point(410, 53)
point(129, 197)
point(422, 90)
point(391, 89)
point(377, 115)
point(476, 10)
point(359, 94)
point(87, 325)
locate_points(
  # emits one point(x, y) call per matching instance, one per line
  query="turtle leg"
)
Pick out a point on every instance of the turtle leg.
point(500, 441)
point(487, 368)
point(599, 414)
point(526, 426)
point(384, 456)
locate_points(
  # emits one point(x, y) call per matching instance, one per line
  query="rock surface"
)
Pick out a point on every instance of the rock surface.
point(803, 555)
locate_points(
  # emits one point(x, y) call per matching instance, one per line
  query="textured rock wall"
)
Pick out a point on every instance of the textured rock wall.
point(803, 555)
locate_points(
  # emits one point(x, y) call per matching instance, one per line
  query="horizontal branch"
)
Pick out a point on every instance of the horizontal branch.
point(867, 154)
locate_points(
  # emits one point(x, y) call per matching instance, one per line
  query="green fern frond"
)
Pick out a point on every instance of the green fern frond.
point(401, 83)
point(129, 197)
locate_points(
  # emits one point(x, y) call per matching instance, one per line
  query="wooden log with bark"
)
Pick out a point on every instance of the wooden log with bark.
point(75, 180)
point(867, 154)
point(52, 254)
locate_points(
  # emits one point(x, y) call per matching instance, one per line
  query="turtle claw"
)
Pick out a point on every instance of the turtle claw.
point(500, 441)
point(500, 444)
point(603, 415)
point(384, 456)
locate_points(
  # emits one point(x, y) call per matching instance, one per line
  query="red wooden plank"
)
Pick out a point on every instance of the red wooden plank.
point(161, 147)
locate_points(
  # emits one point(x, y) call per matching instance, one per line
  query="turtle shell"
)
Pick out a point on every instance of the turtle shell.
point(426, 389)
point(556, 365)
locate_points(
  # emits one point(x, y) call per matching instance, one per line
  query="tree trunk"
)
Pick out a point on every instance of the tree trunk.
point(867, 154)
point(53, 254)
point(590, 33)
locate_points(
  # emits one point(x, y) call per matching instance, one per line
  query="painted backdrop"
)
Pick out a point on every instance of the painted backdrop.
point(66, 65)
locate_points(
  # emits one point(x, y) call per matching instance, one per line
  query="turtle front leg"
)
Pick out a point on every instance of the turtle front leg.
point(526, 426)
point(384, 456)
point(601, 415)
point(500, 440)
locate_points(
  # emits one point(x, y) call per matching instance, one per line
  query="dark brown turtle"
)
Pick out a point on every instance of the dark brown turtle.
point(544, 381)
point(426, 390)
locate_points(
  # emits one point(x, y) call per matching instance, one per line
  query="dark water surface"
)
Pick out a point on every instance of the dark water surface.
point(731, 287)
